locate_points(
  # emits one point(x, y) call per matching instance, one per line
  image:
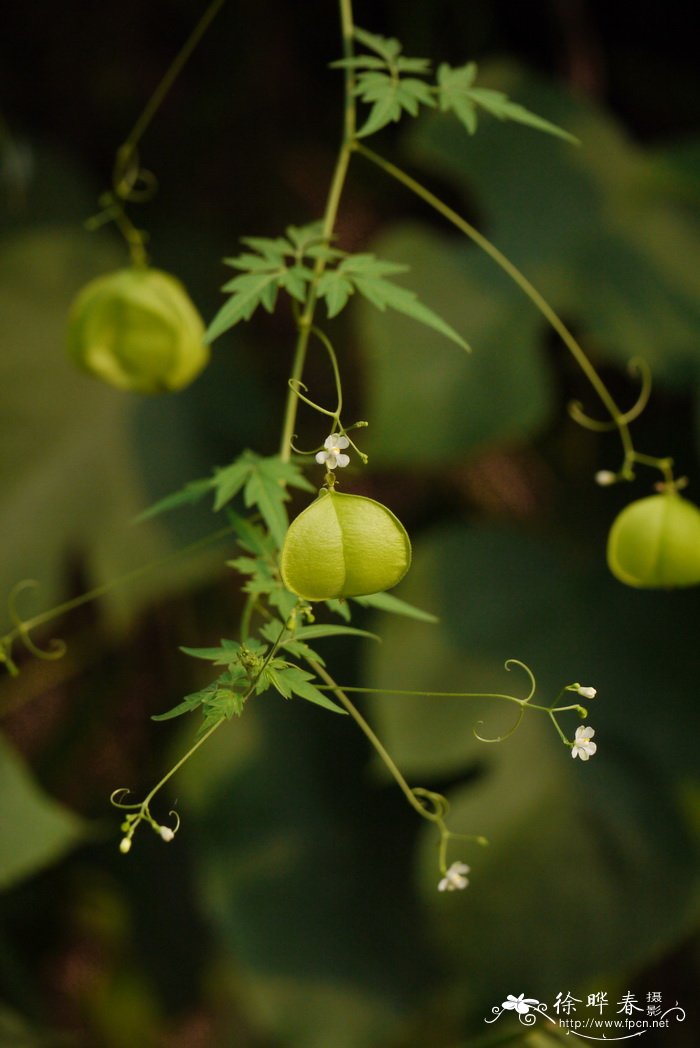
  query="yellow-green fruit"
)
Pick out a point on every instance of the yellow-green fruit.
point(655, 543)
point(344, 546)
point(137, 329)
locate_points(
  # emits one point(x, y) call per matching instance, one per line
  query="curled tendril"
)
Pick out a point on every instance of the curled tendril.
point(509, 663)
point(533, 683)
point(500, 738)
point(130, 181)
point(636, 366)
point(436, 807)
point(296, 385)
point(57, 648)
point(116, 799)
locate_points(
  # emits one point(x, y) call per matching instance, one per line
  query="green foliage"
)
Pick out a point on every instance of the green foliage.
point(457, 93)
point(35, 830)
point(286, 263)
point(263, 482)
point(367, 274)
point(379, 81)
point(275, 263)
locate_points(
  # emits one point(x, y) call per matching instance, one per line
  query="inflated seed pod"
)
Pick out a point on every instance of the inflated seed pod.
point(344, 546)
point(655, 543)
point(137, 329)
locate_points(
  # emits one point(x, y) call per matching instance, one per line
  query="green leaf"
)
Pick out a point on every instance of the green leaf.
point(394, 606)
point(315, 632)
point(382, 293)
point(35, 831)
point(264, 488)
point(499, 105)
point(335, 287)
point(387, 48)
point(188, 704)
point(192, 492)
point(227, 652)
point(229, 480)
point(298, 682)
point(456, 92)
point(391, 97)
point(249, 291)
point(251, 537)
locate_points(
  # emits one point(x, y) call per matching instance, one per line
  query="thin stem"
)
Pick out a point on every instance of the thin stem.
point(305, 321)
point(192, 750)
point(126, 151)
point(106, 587)
point(378, 746)
point(519, 278)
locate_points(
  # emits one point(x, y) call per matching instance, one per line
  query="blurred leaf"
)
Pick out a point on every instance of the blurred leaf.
point(35, 831)
point(601, 231)
point(502, 391)
point(571, 847)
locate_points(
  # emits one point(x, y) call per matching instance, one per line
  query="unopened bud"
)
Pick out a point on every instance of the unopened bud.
point(125, 845)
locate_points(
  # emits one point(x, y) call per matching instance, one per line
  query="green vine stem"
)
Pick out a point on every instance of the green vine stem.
point(620, 419)
point(22, 627)
point(429, 805)
point(129, 181)
point(305, 320)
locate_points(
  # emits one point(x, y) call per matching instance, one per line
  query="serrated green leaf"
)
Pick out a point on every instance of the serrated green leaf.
point(264, 490)
point(340, 608)
point(454, 93)
point(387, 48)
point(226, 703)
point(382, 293)
point(332, 630)
point(359, 62)
point(250, 536)
point(188, 704)
point(248, 294)
point(499, 105)
point(298, 681)
point(386, 110)
point(335, 288)
point(394, 606)
point(274, 249)
point(229, 480)
point(224, 654)
point(191, 493)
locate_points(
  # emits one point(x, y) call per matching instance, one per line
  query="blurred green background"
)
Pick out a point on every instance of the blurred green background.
point(297, 908)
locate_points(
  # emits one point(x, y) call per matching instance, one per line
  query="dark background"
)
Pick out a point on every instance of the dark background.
point(297, 907)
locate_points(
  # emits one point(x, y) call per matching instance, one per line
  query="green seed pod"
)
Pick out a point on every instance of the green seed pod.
point(137, 329)
point(655, 543)
point(344, 546)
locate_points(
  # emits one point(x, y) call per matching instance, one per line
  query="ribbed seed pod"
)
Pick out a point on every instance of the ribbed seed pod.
point(344, 546)
point(655, 543)
point(137, 329)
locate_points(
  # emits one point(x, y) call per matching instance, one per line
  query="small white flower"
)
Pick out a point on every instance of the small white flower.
point(166, 833)
point(588, 693)
point(125, 845)
point(583, 747)
point(454, 878)
point(333, 455)
point(520, 1004)
point(605, 478)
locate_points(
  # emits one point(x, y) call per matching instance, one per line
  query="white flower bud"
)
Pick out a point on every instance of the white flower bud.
point(588, 693)
point(166, 833)
point(125, 845)
point(605, 478)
